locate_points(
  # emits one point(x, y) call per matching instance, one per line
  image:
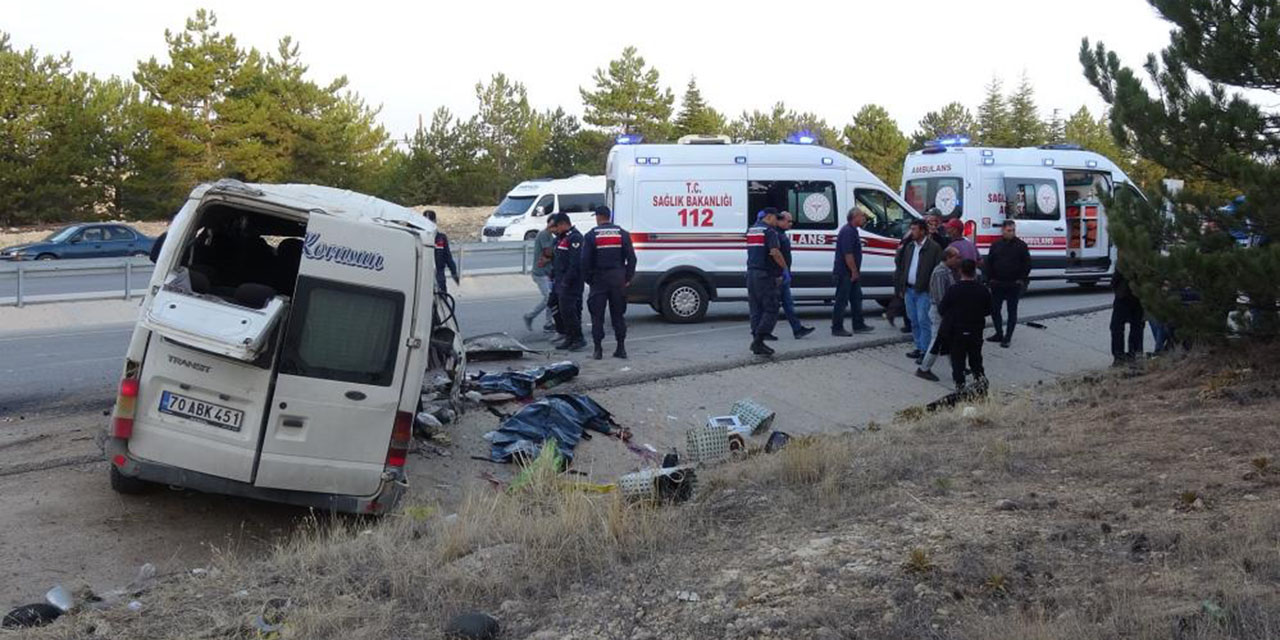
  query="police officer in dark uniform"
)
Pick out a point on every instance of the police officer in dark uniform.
point(568, 283)
point(444, 257)
point(608, 264)
point(766, 273)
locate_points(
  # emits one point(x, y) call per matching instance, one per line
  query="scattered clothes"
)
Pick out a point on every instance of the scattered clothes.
point(522, 383)
point(473, 625)
point(561, 417)
point(777, 440)
point(31, 615)
point(972, 391)
point(495, 346)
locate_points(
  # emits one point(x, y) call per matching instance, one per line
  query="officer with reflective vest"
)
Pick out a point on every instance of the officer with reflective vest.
point(766, 273)
point(568, 283)
point(444, 257)
point(608, 265)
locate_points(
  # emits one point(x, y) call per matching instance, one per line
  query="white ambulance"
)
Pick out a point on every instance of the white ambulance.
point(523, 213)
point(280, 350)
point(1054, 193)
point(688, 207)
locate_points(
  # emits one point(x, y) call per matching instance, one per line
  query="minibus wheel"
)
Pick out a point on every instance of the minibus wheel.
point(128, 485)
point(684, 300)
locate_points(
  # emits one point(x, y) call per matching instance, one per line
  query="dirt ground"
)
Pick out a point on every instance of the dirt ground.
point(463, 224)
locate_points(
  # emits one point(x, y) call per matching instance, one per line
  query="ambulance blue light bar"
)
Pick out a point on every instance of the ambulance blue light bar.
point(801, 137)
point(629, 138)
point(953, 141)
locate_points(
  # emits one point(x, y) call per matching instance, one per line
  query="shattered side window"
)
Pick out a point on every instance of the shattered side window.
point(343, 332)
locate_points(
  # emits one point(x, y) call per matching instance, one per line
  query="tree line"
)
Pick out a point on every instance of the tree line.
point(74, 146)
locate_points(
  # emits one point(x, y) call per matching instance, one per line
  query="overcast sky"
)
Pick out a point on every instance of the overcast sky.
point(826, 57)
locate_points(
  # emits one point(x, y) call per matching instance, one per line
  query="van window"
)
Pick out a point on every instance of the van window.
point(580, 202)
point(943, 194)
point(884, 215)
point(547, 203)
point(513, 206)
point(812, 202)
point(1030, 199)
point(343, 332)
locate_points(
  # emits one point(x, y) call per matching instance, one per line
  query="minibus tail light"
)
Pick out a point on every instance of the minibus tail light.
point(125, 410)
point(401, 437)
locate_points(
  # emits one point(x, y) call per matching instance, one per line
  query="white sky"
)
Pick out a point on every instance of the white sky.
point(826, 57)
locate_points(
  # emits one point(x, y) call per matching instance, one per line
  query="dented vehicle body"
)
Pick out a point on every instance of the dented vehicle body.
point(280, 349)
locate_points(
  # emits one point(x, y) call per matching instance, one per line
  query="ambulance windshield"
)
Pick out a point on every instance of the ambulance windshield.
point(513, 206)
point(943, 194)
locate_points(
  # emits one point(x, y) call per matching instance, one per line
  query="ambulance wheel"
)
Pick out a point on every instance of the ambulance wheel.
point(683, 301)
point(127, 485)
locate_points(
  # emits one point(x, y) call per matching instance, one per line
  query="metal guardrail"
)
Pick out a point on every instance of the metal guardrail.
point(474, 259)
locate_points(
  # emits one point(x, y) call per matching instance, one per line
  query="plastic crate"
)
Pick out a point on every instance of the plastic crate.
point(753, 415)
point(643, 484)
point(707, 444)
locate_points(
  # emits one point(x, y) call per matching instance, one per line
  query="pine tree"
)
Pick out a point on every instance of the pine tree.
point(629, 99)
point(952, 119)
point(993, 117)
point(510, 131)
point(1055, 128)
point(779, 122)
point(695, 116)
point(1026, 129)
point(1213, 136)
point(874, 140)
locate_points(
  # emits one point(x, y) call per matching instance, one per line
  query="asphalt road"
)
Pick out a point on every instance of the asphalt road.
point(41, 367)
point(471, 261)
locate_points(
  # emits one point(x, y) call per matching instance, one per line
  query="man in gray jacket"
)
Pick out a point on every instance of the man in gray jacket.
point(919, 258)
point(943, 276)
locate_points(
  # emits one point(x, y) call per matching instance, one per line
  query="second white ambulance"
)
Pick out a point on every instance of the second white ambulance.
point(1054, 192)
point(688, 207)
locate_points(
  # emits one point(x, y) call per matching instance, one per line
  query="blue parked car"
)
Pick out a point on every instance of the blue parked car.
point(97, 240)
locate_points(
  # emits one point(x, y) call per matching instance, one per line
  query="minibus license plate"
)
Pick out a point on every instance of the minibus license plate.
point(200, 411)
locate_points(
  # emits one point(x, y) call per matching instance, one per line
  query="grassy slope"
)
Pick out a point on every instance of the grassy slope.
point(1146, 507)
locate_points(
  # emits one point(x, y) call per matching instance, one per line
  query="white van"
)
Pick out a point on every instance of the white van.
point(280, 350)
point(523, 213)
point(688, 207)
point(1054, 192)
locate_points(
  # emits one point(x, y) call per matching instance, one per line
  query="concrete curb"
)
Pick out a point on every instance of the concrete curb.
point(629, 379)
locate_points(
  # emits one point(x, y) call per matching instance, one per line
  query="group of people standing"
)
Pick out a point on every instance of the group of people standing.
point(566, 261)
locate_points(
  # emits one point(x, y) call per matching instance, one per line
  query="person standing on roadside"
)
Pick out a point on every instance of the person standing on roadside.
point(1008, 266)
point(543, 253)
point(918, 261)
point(766, 274)
point(568, 281)
point(444, 257)
point(968, 250)
point(965, 308)
point(937, 230)
point(608, 265)
point(1126, 309)
point(943, 276)
point(785, 220)
point(847, 272)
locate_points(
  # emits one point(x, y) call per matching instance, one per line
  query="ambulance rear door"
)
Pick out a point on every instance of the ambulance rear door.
point(342, 362)
point(813, 198)
point(1033, 198)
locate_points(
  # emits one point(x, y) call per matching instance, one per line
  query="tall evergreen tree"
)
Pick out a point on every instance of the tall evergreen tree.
point(1026, 129)
point(993, 117)
point(876, 142)
point(695, 116)
point(1205, 130)
point(510, 131)
point(952, 119)
point(628, 98)
point(1055, 128)
point(779, 122)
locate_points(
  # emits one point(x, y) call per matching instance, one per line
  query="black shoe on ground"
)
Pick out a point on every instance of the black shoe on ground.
point(598, 353)
point(803, 331)
point(840, 333)
point(528, 323)
point(905, 330)
point(1005, 344)
point(759, 348)
point(927, 375)
point(996, 338)
point(550, 326)
point(915, 354)
point(620, 352)
point(768, 336)
point(575, 345)
point(866, 328)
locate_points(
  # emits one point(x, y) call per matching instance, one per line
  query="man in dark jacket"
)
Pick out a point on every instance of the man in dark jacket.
point(568, 282)
point(608, 265)
point(965, 308)
point(919, 258)
point(785, 220)
point(847, 273)
point(444, 257)
point(1125, 310)
point(1008, 267)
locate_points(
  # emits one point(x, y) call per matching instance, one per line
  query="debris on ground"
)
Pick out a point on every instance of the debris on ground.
point(520, 384)
point(753, 415)
point(777, 440)
point(708, 443)
point(473, 625)
point(31, 615)
point(495, 346)
point(972, 391)
point(672, 483)
point(564, 418)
